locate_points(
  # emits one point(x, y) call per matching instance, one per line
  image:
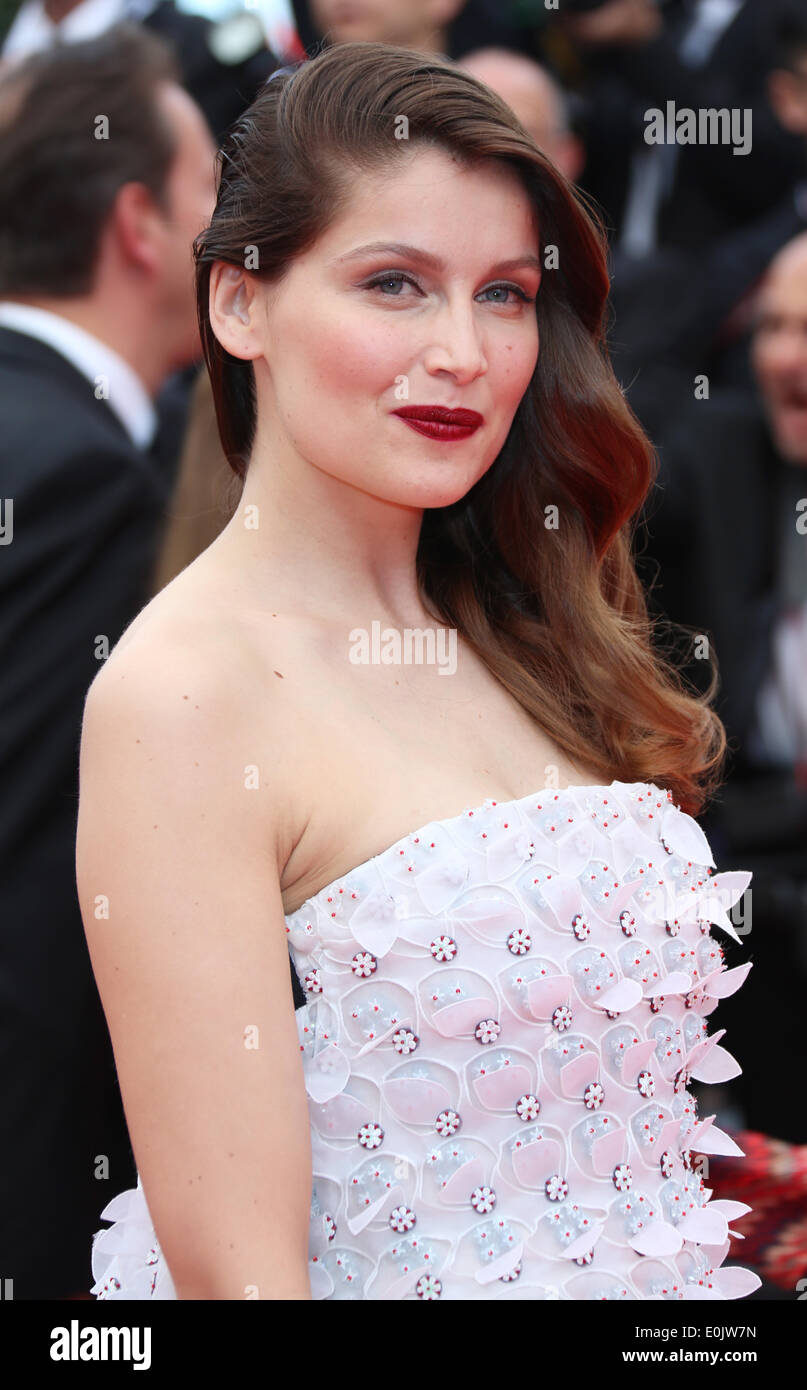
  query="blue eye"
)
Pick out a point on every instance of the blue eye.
point(398, 278)
point(509, 289)
point(393, 279)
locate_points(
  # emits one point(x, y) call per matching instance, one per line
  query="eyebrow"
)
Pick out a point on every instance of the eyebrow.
point(414, 253)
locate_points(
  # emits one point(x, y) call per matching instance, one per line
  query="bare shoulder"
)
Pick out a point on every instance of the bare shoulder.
point(198, 628)
point(188, 685)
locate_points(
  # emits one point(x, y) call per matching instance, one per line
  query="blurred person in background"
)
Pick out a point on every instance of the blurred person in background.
point(221, 64)
point(679, 313)
point(726, 532)
point(536, 99)
point(447, 27)
point(96, 310)
point(729, 532)
point(700, 55)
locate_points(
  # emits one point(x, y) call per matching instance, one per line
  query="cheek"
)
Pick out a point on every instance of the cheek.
point(344, 358)
point(516, 363)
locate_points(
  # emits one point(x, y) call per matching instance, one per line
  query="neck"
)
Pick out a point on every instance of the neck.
point(299, 533)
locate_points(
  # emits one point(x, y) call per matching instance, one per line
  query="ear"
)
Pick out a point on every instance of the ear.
point(234, 308)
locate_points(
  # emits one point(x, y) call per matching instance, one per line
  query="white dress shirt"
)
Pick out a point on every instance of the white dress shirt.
point(124, 389)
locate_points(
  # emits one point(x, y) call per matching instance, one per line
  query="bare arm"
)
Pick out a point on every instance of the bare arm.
point(192, 967)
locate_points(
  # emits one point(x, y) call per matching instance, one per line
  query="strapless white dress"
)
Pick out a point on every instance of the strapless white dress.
point(505, 1011)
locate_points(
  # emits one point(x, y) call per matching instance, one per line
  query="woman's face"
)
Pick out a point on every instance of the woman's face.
point(353, 334)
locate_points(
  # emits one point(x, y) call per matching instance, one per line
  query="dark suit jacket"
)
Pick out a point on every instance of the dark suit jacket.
point(714, 192)
point(87, 510)
point(713, 549)
point(713, 540)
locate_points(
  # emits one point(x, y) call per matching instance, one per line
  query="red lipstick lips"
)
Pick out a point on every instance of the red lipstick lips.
point(438, 422)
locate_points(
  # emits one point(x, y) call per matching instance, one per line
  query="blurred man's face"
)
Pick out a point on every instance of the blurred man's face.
point(192, 197)
point(779, 353)
point(381, 21)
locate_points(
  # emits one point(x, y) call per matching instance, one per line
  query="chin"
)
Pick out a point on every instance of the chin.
point(434, 494)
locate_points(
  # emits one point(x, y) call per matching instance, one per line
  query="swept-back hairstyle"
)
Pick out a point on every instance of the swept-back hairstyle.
point(533, 566)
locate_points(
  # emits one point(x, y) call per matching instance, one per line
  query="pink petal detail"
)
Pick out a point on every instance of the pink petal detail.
point(546, 993)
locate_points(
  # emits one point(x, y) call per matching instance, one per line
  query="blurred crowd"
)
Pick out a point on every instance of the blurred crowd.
point(112, 478)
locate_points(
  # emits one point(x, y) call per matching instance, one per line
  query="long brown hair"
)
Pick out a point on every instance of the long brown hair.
point(556, 611)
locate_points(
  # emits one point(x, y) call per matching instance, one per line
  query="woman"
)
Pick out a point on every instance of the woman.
point(401, 304)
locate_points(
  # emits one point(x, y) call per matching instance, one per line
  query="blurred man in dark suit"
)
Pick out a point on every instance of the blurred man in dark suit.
point(727, 532)
point(106, 175)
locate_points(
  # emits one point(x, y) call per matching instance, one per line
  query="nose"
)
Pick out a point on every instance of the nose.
point(456, 345)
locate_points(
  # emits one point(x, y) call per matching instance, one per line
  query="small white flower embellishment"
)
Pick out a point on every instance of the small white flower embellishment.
point(370, 1136)
point(523, 846)
point(594, 1095)
point(330, 1226)
point(645, 1084)
point(153, 1256)
point(528, 1108)
point(556, 1188)
point(364, 964)
point(622, 1177)
point(447, 1123)
point(519, 941)
point(109, 1286)
point(681, 1080)
point(562, 1018)
point(673, 926)
point(627, 922)
point(402, 1219)
point(657, 1003)
point(514, 1274)
point(428, 1286)
point(580, 927)
point(312, 983)
point(443, 948)
point(667, 1164)
point(487, 1030)
point(483, 1200)
point(405, 1041)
